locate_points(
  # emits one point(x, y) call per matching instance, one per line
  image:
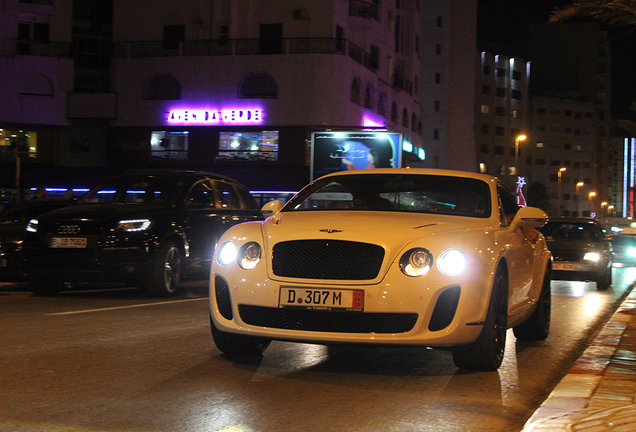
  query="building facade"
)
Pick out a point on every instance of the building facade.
point(233, 87)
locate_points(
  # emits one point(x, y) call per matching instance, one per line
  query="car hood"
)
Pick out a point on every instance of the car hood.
point(11, 234)
point(102, 212)
point(391, 230)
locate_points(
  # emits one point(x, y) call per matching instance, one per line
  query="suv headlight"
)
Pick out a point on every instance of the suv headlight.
point(32, 226)
point(133, 225)
point(592, 256)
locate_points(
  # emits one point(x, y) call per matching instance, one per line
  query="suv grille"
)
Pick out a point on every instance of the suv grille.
point(327, 259)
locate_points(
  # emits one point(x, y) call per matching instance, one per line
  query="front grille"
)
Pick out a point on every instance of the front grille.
point(71, 228)
point(568, 256)
point(222, 295)
point(327, 259)
point(323, 321)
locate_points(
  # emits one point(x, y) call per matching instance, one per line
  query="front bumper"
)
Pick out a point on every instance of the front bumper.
point(579, 270)
point(432, 310)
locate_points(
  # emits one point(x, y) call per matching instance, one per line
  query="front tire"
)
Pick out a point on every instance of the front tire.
point(231, 343)
point(487, 352)
point(537, 326)
point(166, 271)
point(605, 281)
point(39, 286)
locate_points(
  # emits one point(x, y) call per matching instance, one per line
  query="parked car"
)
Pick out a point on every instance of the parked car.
point(13, 222)
point(144, 228)
point(386, 256)
point(581, 251)
point(624, 248)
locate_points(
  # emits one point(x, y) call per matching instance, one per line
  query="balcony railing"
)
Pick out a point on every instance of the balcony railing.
point(236, 47)
point(11, 47)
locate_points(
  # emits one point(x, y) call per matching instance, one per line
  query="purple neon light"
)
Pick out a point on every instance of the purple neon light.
point(209, 116)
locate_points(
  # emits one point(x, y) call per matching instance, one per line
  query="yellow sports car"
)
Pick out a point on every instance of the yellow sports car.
point(435, 258)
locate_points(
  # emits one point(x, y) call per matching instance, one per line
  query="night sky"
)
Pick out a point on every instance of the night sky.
point(505, 24)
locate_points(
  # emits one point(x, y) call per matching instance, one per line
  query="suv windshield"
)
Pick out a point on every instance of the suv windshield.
point(570, 231)
point(130, 191)
point(398, 193)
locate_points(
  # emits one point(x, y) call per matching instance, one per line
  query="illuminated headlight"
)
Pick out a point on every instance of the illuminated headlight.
point(133, 225)
point(249, 256)
point(416, 262)
point(227, 253)
point(631, 253)
point(592, 256)
point(452, 262)
point(32, 226)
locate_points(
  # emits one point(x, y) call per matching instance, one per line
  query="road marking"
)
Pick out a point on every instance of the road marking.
point(124, 307)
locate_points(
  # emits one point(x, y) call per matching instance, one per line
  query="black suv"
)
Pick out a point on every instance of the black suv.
point(145, 228)
point(580, 250)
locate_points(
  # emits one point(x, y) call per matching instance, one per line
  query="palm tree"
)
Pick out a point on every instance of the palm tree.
point(617, 13)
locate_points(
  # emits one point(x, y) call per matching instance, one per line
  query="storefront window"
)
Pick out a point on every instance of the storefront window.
point(249, 146)
point(169, 145)
point(14, 143)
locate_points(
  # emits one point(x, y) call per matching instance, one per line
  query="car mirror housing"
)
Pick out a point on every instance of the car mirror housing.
point(530, 217)
point(271, 208)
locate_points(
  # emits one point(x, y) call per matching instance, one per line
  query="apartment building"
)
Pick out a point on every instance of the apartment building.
point(235, 87)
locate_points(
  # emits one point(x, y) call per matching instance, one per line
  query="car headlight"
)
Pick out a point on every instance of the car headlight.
point(416, 262)
point(452, 262)
point(227, 253)
point(249, 255)
point(592, 256)
point(134, 225)
point(32, 226)
point(631, 252)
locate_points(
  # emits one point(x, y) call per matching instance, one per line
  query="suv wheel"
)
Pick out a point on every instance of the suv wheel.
point(39, 286)
point(166, 271)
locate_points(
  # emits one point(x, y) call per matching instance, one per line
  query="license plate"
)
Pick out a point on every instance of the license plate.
point(562, 266)
point(68, 242)
point(321, 299)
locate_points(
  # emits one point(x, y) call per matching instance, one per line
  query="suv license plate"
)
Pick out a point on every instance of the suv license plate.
point(68, 242)
point(321, 299)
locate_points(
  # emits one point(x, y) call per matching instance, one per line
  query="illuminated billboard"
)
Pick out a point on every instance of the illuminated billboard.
point(206, 116)
point(341, 151)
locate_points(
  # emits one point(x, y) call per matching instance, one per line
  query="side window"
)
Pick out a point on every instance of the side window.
point(247, 199)
point(226, 197)
point(201, 194)
point(508, 204)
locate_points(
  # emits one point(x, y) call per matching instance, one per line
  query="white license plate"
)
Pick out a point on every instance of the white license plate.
point(68, 242)
point(321, 299)
point(562, 266)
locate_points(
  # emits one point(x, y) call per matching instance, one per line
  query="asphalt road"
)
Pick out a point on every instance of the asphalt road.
point(113, 360)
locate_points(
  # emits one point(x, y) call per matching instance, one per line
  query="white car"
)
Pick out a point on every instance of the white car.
point(434, 258)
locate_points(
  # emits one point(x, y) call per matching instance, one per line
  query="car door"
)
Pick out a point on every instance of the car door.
point(202, 222)
point(519, 255)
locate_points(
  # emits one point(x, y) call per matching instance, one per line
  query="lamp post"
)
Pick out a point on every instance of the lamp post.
point(517, 139)
point(578, 197)
point(560, 194)
point(591, 196)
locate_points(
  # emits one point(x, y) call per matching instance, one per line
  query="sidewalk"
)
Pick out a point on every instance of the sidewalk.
point(599, 392)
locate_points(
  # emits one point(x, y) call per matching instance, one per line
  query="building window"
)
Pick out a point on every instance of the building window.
point(516, 75)
point(501, 73)
point(413, 122)
point(540, 145)
point(166, 145)
point(369, 98)
point(439, 21)
point(18, 143)
point(438, 49)
point(515, 94)
point(539, 162)
point(405, 118)
point(499, 130)
point(173, 35)
point(270, 39)
point(500, 111)
point(484, 148)
point(499, 150)
point(485, 109)
point(485, 89)
point(382, 104)
point(435, 134)
point(486, 70)
point(248, 146)
point(437, 106)
point(224, 34)
point(501, 92)
point(485, 128)
point(515, 113)
point(438, 78)
point(356, 91)
point(258, 85)
point(162, 87)
point(394, 112)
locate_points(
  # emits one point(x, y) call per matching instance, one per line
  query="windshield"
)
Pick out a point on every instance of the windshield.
point(396, 193)
point(132, 191)
point(571, 231)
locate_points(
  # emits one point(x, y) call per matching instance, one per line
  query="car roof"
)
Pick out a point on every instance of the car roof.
point(419, 171)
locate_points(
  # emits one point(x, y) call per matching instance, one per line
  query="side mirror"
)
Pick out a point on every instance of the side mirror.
point(530, 217)
point(271, 208)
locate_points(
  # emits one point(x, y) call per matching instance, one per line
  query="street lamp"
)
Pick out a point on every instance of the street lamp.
point(578, 197)
point(517, 139)
point(591, 196)
point(560, 194)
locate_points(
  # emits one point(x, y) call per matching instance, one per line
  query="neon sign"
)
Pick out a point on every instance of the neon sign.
point(213, 117)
